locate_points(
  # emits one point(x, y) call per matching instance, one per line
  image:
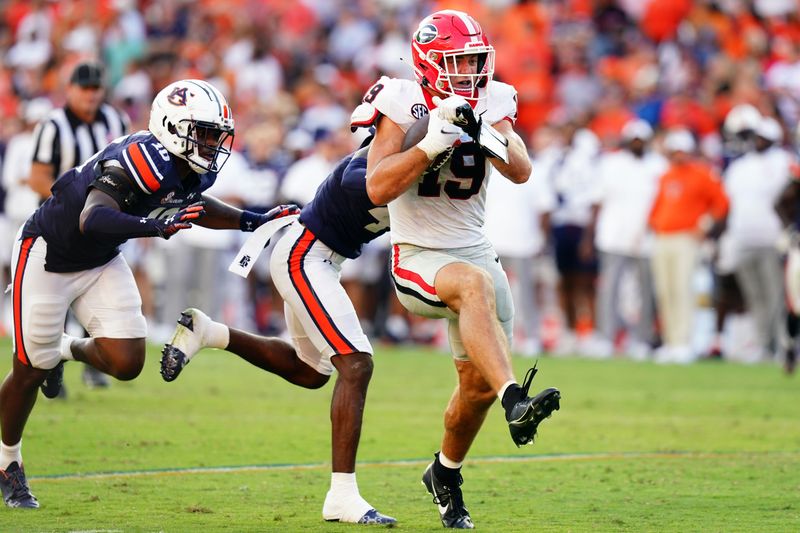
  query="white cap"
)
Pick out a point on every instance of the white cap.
point(770, 129)
point(36, 110)
point(740, 118)
point(679, 141)
point(637, 129)
point(586, 141)
point(298, 140)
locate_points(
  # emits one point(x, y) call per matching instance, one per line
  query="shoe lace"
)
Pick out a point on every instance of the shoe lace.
point(19, 485)
point(526, 383)
point(453, 496)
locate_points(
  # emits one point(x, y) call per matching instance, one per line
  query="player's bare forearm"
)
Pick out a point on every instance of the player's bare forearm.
point(395, 174)
point(41, 179)
point(219, 215)
point(518, 169)
point(390, 171)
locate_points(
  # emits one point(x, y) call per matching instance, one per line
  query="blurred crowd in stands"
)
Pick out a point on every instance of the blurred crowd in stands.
point(661, 132)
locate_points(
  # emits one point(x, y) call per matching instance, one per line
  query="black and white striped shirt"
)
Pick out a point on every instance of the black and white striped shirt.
point(64, 141)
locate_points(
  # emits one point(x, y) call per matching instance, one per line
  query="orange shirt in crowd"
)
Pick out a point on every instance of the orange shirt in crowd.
point(662, 17)
point(686, 192)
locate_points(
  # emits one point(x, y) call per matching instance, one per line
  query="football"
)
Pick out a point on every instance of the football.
point(416, 132)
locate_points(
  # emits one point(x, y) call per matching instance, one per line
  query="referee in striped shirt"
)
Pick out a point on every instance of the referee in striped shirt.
point(72, 134)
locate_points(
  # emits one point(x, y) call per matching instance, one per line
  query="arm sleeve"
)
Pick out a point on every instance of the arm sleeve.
point(116, 183)
point(106, 222)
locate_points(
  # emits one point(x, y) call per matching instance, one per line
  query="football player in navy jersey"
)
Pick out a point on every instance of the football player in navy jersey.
point(149, 184)
point(325, 331)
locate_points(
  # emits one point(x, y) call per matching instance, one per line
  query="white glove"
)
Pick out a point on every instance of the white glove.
point(441, 136)
point(447, 108)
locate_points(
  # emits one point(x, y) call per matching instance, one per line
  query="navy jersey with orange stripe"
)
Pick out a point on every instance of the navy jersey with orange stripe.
point(341, 214)
point(156, 186)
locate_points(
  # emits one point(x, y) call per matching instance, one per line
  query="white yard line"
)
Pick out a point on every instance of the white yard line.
point(409, 462)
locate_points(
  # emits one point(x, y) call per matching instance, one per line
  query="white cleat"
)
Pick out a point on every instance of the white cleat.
point(355, 510)
point(185, 343)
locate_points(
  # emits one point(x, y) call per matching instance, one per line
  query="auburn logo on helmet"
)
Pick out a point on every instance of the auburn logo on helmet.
point(177, 96)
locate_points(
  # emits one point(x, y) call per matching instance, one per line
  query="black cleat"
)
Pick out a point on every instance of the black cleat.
point(53, 384)
point(449, 500)
point(528, 413)
point(790, 363)
point(14, 487)
point(93, 378)
point(184, 344)
point(172, 362)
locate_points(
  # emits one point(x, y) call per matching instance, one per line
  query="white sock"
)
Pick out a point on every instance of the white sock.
point(216, 335)
point(66, 349)
point(344, 484)
point(448, 463)
point(343, 501)
point(502, 390)
point(9, 454)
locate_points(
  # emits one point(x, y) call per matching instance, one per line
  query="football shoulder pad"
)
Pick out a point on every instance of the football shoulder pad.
point(501, 103)
point(400, 100)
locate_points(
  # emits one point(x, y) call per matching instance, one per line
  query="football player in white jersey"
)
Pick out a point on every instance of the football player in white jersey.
point(442, 263)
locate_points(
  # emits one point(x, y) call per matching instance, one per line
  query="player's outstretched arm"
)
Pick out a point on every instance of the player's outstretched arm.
point(101, 218)
point(518, 169)
point(220, 215)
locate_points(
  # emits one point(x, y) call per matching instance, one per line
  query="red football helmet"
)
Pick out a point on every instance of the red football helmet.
point(436, 46)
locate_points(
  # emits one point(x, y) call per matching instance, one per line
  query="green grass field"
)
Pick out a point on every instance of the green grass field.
point(635, 447)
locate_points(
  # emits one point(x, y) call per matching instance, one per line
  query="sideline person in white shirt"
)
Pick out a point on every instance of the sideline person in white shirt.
point(753, 183)
point(516, 224)
point(628, 180)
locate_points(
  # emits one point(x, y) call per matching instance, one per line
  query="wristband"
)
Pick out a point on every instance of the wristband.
point(250, 220)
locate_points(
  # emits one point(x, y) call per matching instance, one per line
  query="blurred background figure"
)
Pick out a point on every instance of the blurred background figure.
point(689, 207)
point(517, 224)
point(738, 139)
point(788, 208)
point(573, 179)
point(753, 184)
point(20, 201)
point(628, 180)
point(305, 175)
point(266, 161)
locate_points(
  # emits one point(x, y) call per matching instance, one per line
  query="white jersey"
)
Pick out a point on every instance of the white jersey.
point(444, 209)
